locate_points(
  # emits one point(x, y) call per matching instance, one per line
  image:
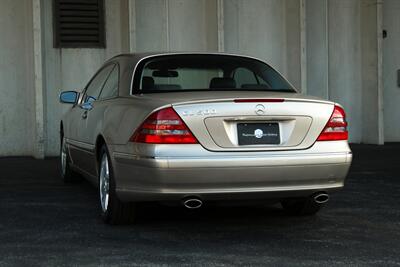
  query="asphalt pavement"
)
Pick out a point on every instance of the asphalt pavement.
point(44, 222)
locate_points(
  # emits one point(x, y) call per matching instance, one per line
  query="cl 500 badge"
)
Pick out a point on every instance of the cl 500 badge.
point(199, 112)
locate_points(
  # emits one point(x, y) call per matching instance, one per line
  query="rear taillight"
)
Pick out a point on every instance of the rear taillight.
point(336, 128)
point(164, 127)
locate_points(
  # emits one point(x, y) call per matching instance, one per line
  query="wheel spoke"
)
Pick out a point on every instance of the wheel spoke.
point(104, 182)
point(63, 157)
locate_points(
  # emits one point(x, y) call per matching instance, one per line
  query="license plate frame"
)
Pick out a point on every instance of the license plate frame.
point(251, 133)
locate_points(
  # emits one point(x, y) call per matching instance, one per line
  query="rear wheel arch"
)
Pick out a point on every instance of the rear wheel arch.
point(68, 175)
point(100, 142)
point(61, 130)
point(117, 212)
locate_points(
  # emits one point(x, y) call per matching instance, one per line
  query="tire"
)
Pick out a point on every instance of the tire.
point(67, 174)
point(301, 206)
point(113, 211)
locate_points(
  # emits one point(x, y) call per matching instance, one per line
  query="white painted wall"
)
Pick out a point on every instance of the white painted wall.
point(317, 48)
point(345, 61)
point(268, 29)
point(71, 69)
point(175, 25)
point(371, 63)
point(293, 43)
point(257, 30)
point(151, 25)
point(17, 113)
point(391, 63)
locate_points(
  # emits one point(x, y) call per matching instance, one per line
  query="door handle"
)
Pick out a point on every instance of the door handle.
point(86, 107)
point(84, 114)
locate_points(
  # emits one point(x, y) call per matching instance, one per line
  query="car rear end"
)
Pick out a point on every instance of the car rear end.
point(232, 138)
point(211, 150)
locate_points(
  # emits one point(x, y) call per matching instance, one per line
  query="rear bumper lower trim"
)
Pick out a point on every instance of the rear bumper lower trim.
point(234, 161)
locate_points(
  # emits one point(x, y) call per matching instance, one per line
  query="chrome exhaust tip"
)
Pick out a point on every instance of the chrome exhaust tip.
point(321, 198)
point(192, 203)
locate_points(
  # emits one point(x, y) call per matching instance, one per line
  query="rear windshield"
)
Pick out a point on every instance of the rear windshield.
point(207, 73)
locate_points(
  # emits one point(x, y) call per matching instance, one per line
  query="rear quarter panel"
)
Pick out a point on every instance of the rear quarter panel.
point(121, 117)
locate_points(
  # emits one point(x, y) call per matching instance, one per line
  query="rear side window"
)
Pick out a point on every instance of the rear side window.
point(207, 73)
point(110, 88)
point(96, 84)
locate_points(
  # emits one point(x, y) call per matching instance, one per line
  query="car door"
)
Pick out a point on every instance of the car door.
point(93, 124)
point(84, 156)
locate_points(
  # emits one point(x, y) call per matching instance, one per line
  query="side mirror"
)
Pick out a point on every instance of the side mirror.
point(68, 97)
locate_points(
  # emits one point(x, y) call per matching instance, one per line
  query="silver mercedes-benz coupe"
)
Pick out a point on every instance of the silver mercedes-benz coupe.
point(196, 128)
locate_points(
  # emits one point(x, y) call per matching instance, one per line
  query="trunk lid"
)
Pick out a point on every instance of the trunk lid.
point(221, 123)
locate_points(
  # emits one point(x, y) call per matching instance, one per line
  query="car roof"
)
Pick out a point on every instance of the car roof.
point(129, 61)
point(139, 56)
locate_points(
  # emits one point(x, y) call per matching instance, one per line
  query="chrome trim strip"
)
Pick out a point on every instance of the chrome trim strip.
point(81, 145)
point(137, 160)
point(130, 156)
point(220, 162)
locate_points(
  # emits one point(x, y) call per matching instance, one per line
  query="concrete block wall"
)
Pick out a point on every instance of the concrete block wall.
point(327, 48)
point(266, 29)
point(71, 69)
point(344, 54)
point(177, 25)
point(17, 101)
point(344, 61)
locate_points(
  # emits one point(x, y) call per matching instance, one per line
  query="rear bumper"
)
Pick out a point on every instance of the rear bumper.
point(214, 175)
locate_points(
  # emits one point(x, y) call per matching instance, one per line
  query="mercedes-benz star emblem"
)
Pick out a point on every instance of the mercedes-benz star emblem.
point(260, 109)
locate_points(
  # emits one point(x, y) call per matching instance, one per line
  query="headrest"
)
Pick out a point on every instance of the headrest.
point(147, 83)
point(223, 83)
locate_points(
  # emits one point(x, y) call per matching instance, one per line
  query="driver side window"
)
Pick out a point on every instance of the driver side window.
point(94, 88)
